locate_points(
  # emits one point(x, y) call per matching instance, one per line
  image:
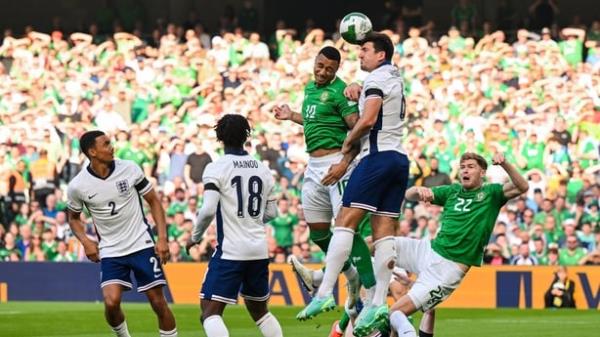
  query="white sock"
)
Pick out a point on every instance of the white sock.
point(172, 333)
point(401, 324)
point(385, 252)
point(370, 293)
point(317, 277)
point(269, 326)
point(427, 321)
point(121, 330)
point(337, 253)
point(215, 327)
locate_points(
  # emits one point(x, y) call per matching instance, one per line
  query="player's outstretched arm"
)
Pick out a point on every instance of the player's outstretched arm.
point(518, 184)
point(158, 214)
point(90, 247)
point(419, 193)
point(284, 113)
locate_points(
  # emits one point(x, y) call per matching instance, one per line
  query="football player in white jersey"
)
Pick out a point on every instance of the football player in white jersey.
point(377, 184)
point(237, 189)
point(111, 190)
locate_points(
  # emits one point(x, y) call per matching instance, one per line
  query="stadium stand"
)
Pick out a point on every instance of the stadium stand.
point(536, 99)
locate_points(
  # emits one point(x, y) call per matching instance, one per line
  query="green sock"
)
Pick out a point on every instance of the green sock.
point(321, 238)
point(361, 256)
point(343, 323)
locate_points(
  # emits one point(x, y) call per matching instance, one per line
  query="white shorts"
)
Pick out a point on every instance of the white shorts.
point(322, 203)
point(437, 277)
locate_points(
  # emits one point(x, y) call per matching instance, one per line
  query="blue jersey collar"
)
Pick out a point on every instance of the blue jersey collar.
point(235, 151)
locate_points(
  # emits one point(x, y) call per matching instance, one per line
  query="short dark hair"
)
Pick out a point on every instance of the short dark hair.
point(331, 53)
point(88, 141)
point(381, 42)
point(233, 130)
point(479, 159)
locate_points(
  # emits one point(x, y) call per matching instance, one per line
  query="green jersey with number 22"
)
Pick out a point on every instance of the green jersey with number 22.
point(467, 221)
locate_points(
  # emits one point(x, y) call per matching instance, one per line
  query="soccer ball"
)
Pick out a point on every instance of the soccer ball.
point(355, 27)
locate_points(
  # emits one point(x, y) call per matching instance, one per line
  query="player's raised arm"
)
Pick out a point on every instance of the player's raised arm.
point(518, 184)
point(158, 214)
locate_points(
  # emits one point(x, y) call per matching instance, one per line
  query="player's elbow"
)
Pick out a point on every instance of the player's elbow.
point(205, 216)
point(270, 212)
point(523, 188)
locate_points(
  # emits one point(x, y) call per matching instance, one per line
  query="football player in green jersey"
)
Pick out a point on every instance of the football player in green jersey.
point(327, 115)
point(470, 211)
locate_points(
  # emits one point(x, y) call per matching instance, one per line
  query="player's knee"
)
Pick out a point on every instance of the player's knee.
point(112, 303)
point(206, 313)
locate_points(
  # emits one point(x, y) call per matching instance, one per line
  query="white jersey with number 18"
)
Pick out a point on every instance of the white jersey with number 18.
point(244, 185)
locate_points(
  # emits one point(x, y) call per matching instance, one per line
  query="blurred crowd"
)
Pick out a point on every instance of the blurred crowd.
point(532, 95)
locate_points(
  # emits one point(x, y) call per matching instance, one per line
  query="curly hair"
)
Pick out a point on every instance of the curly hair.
point(233, 130)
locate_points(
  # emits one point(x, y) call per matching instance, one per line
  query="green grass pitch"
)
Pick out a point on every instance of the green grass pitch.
point(23, 319)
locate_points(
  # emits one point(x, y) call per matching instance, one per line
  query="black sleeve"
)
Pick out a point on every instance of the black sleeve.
point(211, 186)
point(374, 91)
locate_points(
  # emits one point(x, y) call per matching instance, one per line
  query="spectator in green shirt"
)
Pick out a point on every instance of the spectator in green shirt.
point(552, 258)
point(572, 47)
point(546, 211)
point(533, 150)
point(283, 225)
point(62, 254)
point(572, 254)
point(49, 244)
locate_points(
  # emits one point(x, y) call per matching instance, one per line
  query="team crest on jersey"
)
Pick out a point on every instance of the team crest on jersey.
point(324, 96)
point(122, 187)
point(480, 196)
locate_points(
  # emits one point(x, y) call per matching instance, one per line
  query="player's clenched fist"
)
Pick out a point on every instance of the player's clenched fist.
point(91, 251)
point(162, 250)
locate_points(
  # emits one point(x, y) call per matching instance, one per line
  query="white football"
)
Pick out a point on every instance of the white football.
point(354, 27)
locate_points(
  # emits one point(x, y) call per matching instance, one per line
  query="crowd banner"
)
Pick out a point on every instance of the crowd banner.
point(483, 287)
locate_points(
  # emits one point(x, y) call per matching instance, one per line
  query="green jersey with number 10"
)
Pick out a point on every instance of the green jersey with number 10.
point(323, 112)
point(467, 221)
